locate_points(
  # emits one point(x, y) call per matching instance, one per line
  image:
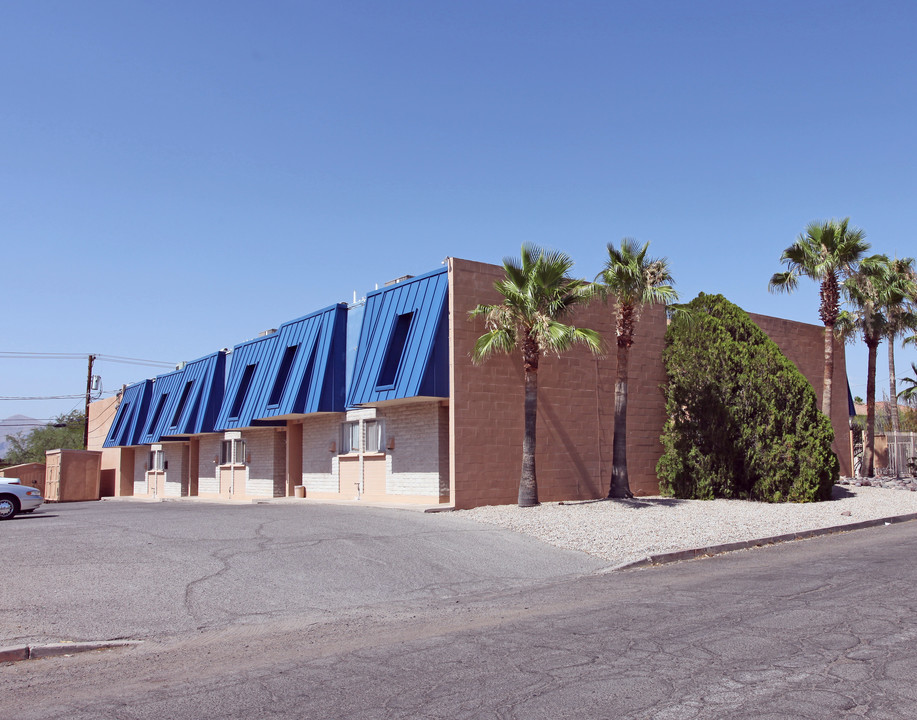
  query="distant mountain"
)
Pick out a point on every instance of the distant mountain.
point(13, 425)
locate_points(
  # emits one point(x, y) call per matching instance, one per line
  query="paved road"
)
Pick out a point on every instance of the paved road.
point(823, 628)
point(98, 571)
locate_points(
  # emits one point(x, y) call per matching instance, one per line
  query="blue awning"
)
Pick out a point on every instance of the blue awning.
point(132, 414)
point(248, 371)
point(194, 403)
point(403, 350)
point(306, 372)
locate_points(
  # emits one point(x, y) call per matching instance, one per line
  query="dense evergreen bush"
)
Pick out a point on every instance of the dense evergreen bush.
point(743, 422)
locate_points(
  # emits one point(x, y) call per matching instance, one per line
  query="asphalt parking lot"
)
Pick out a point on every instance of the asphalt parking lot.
point(138, 570)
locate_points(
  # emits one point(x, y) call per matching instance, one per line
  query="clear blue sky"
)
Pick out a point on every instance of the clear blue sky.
point(178, 176)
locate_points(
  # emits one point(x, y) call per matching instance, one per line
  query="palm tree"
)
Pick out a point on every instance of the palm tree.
point(909, 395)
point(867, 291)
point(827, 252)
point(537, 297)
point(634, 281)
point(901, 316)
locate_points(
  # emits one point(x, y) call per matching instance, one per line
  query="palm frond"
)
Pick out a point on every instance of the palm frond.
point(537, 295)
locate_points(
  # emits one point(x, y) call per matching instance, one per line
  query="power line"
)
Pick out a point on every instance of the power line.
point(81, 356)
point(136, 361)
point(41, 397)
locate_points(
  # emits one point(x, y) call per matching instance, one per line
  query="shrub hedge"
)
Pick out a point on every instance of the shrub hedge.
point(743, 422)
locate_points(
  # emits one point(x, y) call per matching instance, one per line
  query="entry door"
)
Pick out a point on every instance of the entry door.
point(226, 481)
point(349, 471)
point(155, 482)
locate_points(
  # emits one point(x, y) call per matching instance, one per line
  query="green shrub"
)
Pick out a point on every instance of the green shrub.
point(743, 422)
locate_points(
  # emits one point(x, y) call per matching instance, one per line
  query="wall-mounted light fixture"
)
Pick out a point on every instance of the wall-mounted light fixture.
point(391, 443)
point(332, 447)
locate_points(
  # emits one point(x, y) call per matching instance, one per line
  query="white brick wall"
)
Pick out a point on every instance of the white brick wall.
point(208, 475)
point(175, 455)
point(141, 456)
point(419, 462)
point(208, 484)
point(410, 483)
point(267, 470)
point(319, 464)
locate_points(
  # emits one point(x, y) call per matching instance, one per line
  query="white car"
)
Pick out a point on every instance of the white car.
point(16, 498)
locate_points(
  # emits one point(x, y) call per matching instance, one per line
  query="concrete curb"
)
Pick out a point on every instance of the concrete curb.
point(692, 554)
point(36, 652)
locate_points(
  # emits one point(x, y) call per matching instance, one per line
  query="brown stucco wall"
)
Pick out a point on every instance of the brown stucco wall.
point(101, 415)
point(804, 344)
point(72, 475)
point(575, 406)
point(31, 474)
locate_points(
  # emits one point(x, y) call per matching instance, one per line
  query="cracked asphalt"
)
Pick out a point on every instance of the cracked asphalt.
point(100, 571)
point(458, 622)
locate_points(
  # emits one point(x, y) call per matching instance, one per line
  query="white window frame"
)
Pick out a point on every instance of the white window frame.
point(373, 434)
point(350, 432)
point(157, 461)
point(235, 454)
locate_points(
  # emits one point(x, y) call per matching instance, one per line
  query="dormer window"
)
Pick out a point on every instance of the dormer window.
point(394, 351)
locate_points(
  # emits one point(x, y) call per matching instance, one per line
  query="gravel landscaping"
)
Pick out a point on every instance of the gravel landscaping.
point(623, 531)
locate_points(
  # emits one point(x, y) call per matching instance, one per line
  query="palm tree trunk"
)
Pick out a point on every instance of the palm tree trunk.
point(829, 370)
point(892, 385)
point(528, 484)
point(870, 434)
point(620, 487)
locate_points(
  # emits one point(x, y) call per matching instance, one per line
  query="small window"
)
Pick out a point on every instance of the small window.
point(244, 384)
point(305, 385)
point(373, 433)
point(182, 401)
point(232, 452)
point(350, 438)
point(283, 374)
point(396, 342)
point(125, 411)
point(154, 420)
point(157, 460)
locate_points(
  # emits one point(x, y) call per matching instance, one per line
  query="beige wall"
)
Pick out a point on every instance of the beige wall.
point(116, 465)
point(575, 406)
point(804, 344)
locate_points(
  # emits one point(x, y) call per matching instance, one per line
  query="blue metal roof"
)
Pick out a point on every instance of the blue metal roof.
point(404, 342)
point(306, 371)
point(249, 366)
point(164, 388)
point(193, 405)
point(132, 412)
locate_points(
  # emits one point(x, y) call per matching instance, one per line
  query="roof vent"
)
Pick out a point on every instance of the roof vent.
point(265, 333)
point(398, 280)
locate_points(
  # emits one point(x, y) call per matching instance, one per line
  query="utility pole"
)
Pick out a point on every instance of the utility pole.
point(88, 394)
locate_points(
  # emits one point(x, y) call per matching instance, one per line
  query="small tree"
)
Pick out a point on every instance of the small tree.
point(65, 432)
point(633, 280)
point(537, 296)
point(743, 422)
point(909, 394)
